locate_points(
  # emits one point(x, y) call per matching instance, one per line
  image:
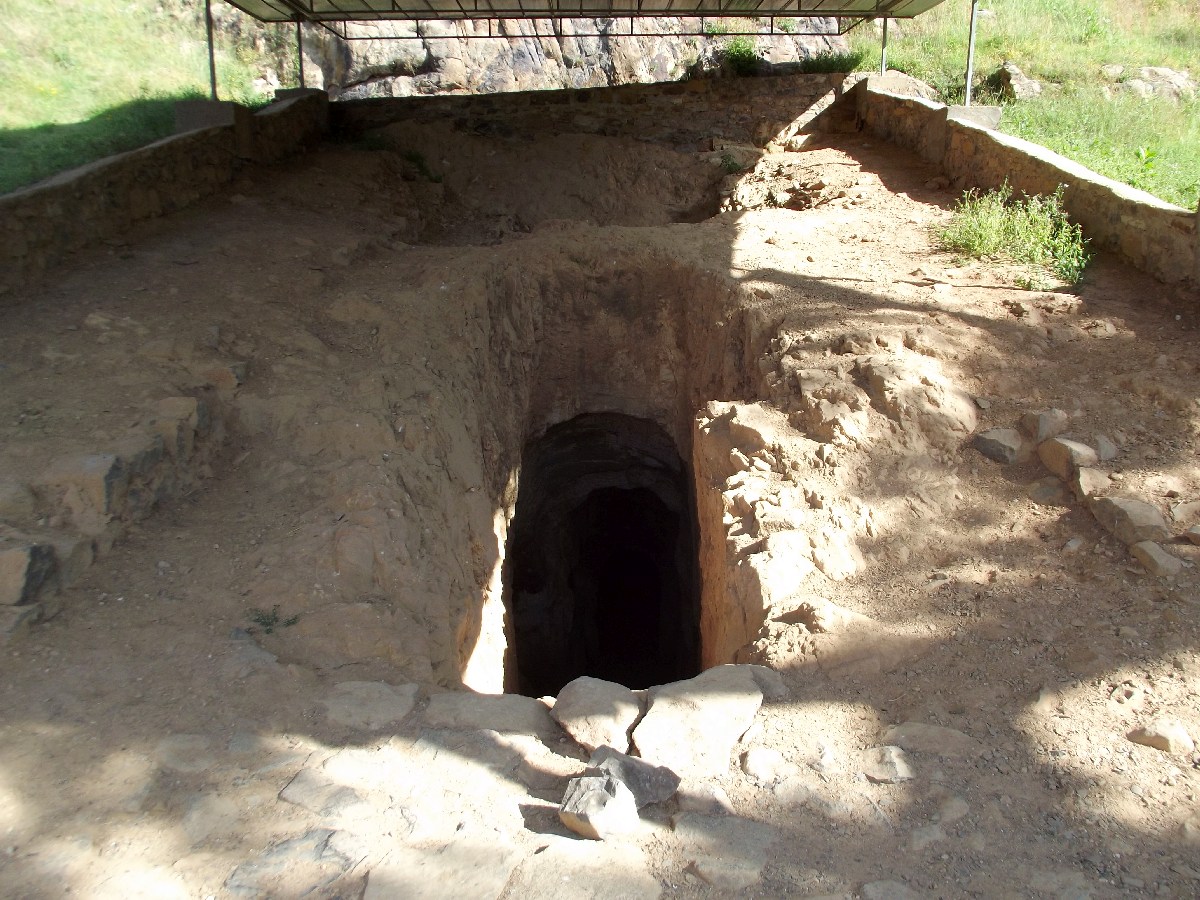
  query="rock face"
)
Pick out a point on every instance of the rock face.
point(400, 59)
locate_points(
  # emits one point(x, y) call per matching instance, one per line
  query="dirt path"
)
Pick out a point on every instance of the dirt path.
point(357, 335)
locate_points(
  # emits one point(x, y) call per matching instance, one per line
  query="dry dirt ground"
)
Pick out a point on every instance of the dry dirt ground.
point(330, 314)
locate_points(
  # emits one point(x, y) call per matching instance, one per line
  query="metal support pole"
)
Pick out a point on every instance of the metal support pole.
point(212, 59)
point(300, 51)
point(883, 50)
point(971, 52)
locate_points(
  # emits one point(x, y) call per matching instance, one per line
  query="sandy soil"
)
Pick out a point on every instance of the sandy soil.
point(145, 736)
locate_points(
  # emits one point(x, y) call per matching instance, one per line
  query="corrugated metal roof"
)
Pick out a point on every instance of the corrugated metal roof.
point(419, 10)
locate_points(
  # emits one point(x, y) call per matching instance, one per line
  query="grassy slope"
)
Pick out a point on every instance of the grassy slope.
point(86, 78)
point(1153, 144)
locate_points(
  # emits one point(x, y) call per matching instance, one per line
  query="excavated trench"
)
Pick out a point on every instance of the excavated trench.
point(596, 474)
point(603, 557)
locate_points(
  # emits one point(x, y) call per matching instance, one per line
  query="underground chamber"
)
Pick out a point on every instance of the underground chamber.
point(602, 566)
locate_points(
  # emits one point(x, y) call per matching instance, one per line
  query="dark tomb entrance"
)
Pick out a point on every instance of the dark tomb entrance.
point(602, 559)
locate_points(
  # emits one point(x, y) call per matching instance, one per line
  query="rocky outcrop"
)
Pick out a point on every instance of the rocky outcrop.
point(400, 59)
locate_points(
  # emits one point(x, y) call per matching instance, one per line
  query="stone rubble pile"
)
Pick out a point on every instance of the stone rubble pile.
point(1074, 464)
point(53, 526)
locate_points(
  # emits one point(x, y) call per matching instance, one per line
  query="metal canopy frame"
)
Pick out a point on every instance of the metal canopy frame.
point(335, 16)
point(332, 11)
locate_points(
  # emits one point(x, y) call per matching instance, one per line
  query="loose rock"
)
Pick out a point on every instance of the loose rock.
point(1167, 735)
point(1158, 562)
point(886, 765)
point(1090, 482)
point(1063, 456)
point(648, 783)
point(763, 763)
point(598, 807)
point(1043, 425)
point(1129, 520)
point(504, 713)
point(1002, 445)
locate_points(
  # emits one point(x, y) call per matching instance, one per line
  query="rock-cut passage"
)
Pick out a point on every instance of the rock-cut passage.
point(602, 561)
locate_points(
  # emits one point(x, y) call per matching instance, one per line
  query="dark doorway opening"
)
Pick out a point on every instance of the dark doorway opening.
point(602, 560)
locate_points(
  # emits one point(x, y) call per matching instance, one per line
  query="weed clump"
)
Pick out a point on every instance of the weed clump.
point(741, 55)
point(267, 622)
point(1030, 231)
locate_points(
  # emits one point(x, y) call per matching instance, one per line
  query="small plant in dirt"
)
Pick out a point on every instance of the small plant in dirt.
point(741, 55)
point(1030, 231)
point(267, 622)
point(729, 165)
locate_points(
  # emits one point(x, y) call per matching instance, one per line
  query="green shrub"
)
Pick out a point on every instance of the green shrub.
point(741, 55)
point(1030, 231)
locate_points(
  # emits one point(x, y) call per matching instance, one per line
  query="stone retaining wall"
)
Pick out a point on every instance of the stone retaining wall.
point(41, 223)
point(1154, 236)
point(747, 110)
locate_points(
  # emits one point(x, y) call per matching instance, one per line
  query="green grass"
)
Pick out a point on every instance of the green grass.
point(87, 78)
point(1063, 43)
point(1030, 231)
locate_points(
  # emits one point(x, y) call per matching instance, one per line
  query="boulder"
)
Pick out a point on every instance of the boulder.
point(691, 726)
point(597, 713)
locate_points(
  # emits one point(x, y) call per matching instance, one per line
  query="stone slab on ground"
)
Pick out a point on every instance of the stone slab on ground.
point(369, 704)
point(296, 867)
point(570, 869)
point(728, 852)
point(918, 737)
point(465, 869)
point(597, 713)
point(503, 713)
point(691, 726)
